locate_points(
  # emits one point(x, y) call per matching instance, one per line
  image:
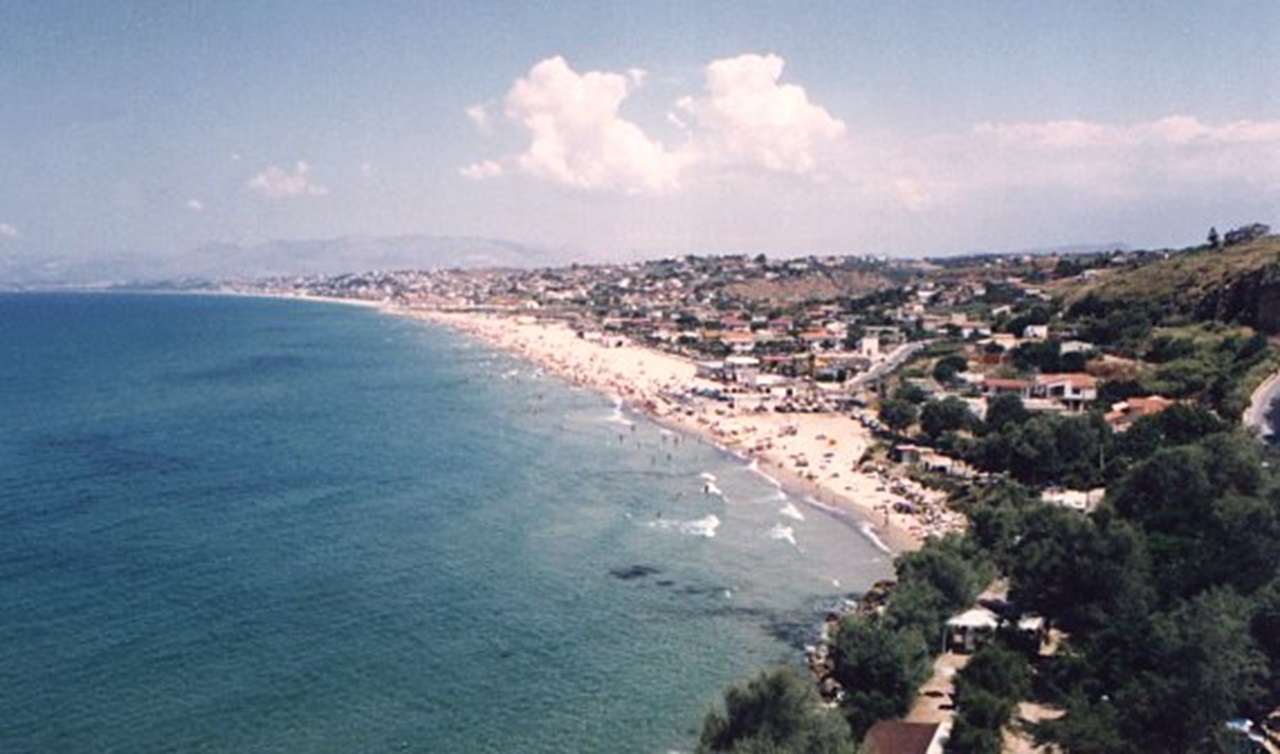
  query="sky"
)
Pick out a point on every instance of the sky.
point(619, 130)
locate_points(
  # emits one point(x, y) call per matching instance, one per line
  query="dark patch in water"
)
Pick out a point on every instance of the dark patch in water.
point(703, 591)
point(665, 582)
point(629, 573)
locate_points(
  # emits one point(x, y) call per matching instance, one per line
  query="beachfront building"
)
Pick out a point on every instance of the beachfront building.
point(970, 629)
point(901, 737)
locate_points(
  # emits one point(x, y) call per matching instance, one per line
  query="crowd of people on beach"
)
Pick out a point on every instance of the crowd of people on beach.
point(820, 453)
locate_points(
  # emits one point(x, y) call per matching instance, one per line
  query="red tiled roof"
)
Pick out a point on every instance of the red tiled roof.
point(897, 737)
point(1005, 384)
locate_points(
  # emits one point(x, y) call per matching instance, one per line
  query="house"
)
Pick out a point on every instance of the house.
point(900, 737)
point(818, 340)
point(709, 370)
point(1123, 414)
point(908, 454)
point(742, 369)
point(1081, 500)
point(1035, 332)
point(1074, 390)
point(739, 342)
point(993, 386)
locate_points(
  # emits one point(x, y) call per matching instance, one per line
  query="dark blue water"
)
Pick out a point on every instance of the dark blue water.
point(233, 525)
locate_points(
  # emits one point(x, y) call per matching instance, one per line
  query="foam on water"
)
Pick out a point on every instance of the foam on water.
point(700, 527)
point(783, 533)
point(791, 511)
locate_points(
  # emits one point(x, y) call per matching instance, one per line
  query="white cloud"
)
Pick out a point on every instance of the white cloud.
point(1172, 131)
point(480, 171)
point(479, 117)
point(9, 232)
point(279, 183)
point(746, 118)
point(577, 137)
point(748, 127)
point(195, 205)
point(1169, 156)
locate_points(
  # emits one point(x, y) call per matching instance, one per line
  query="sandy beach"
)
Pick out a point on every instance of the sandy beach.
point(818, 455)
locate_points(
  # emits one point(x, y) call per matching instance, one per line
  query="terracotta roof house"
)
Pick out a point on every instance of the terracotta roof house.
point(1123, 414)
point(1075, 390)
point(898, 737)
point(995, 386)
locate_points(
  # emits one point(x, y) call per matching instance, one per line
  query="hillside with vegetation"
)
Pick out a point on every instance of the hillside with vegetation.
point(1163, 598)
point(1232, 279)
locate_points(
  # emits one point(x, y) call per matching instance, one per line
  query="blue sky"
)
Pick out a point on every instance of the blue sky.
point(615, 130)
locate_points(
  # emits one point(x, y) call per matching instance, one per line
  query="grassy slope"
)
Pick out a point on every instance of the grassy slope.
point(1187, 283)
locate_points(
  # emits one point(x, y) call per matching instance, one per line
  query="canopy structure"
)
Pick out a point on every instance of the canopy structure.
point(968, 629)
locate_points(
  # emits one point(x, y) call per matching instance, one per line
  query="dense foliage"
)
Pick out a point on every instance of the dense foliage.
point(1166, 596)
point(1167, 592)
point(775, 713)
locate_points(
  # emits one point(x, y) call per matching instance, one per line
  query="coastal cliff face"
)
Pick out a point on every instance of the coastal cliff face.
point(1252, 298)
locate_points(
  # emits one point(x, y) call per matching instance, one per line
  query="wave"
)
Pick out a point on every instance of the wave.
point(863, 526)
point(707, 475)
point(702, 527)
point(791, 511)
point(699, 527)
point(618, 417)
point(754, 467)
point(868, 530)
point(784, 533)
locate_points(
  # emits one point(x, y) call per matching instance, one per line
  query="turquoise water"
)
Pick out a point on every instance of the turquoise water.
point(245, 525)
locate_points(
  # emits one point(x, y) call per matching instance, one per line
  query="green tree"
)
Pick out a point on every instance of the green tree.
point(947, 367)
point(898, 414)
point(1043, 356)
point(777, 712)
point(1264, 625)
point(935, 582)
point(1200, 667)
point(880, 670)
point(987, 691)
point(947, 415)
point(911, 392)
point(1003, 410)
point(1082, 573)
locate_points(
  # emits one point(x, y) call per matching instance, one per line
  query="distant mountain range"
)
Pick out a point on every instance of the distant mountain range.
point(224, 261)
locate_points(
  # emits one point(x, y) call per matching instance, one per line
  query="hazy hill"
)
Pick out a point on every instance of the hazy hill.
point(271, 259)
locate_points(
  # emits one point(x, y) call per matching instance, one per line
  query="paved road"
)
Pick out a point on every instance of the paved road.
point(1256, 415)
point(896, 359)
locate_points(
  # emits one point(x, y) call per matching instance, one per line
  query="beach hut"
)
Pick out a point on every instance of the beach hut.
point(968, 630)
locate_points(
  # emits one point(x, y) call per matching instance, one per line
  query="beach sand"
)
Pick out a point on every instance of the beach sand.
point(818, 455)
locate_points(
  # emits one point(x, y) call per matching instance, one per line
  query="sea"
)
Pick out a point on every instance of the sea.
point(233, 524)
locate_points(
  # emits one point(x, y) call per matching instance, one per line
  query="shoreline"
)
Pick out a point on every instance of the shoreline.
point(814, 456)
